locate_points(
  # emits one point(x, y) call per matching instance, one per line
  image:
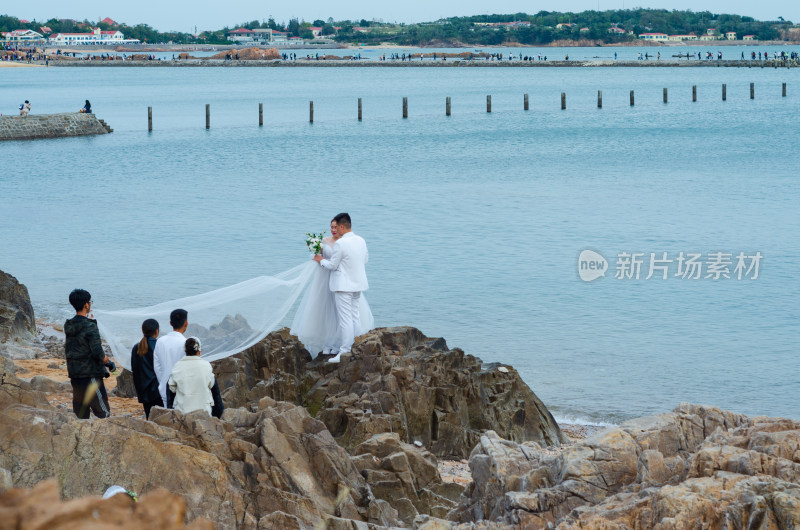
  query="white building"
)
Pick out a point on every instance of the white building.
point(661, 37)
point(21, 36)
point(241, 36)
point(95, 37)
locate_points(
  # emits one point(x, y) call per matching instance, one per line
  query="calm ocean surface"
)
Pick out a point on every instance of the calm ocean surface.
point(474, 222)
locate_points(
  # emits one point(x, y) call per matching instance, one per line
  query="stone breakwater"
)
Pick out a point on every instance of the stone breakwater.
point(36, 126)
point(477, 63)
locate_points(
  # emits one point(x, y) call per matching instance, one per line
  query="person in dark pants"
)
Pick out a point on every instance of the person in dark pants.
point(144, 375)
point(86, 359)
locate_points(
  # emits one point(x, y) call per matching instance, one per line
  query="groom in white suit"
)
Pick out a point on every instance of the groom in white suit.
point(348, 279)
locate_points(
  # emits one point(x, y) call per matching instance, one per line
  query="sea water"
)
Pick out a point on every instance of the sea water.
point(475, 222)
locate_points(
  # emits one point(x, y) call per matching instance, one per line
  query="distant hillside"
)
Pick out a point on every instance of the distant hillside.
point(544, 27)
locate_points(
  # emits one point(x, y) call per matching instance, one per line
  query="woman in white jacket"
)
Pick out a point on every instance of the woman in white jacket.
point(191, 380)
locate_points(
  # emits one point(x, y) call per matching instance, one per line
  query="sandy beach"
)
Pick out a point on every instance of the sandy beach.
point(18, 64)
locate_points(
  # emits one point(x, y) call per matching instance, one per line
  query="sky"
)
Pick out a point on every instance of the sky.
point(184, 15)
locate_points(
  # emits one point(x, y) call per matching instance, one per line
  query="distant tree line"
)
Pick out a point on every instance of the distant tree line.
point(543, 28)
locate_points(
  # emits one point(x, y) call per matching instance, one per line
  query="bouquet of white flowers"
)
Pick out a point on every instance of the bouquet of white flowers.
point(314, 242)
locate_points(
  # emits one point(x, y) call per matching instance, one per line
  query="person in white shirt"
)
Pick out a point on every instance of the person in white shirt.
point(169, 349)
point(192, 379)
point(348, 280)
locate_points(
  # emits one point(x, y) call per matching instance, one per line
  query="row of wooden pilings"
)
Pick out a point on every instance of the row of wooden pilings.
point(447, 106)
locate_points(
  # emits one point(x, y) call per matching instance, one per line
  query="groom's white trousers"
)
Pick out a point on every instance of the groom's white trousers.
point(348, 318)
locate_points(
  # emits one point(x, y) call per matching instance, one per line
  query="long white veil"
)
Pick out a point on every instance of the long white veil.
point(227, 321)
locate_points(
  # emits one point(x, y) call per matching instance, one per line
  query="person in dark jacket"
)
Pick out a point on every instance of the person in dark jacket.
point(144, 375)
point(86, 359)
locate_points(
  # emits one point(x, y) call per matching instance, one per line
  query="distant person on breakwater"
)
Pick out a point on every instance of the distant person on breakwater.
point(25, 108)
point(87, 108)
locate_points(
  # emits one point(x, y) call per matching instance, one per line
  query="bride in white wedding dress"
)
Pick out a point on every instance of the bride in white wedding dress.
point(315, 320)
point(233, 318)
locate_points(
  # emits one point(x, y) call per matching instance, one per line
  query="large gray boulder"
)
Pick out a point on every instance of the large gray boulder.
point(18, 339)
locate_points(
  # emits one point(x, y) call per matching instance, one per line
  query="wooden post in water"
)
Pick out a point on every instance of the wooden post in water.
point(752, 90)
point(488, 103)
point(724, 92)
point(359, 109)
point(665, 95)
point(784, 90)
point(694, 93)
point(150, 113)
point(260, 114)
point(525, 100)
point(405, 107)
point(447, 106)
point(311, 111)
point(563, 101)
point(208, 116)
point(599, 99)
point(631, 98)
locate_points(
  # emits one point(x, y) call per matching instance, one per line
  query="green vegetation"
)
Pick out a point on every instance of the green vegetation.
point(541, 28)
point(143, 32)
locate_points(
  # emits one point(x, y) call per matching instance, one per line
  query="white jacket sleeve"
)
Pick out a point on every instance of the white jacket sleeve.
point(336, 258)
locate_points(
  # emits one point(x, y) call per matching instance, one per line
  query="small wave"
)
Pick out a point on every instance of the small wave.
point(577, 420)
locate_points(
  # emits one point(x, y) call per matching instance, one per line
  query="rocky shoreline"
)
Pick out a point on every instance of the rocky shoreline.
point(404, 433)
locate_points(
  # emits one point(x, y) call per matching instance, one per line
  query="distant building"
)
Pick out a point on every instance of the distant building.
point(22, 36)
point(241, 36)
point(749, 37)
point(45, 30)
point(109, 21)
point(731, 35)
point(616, 31)
point(584, 30)
point(279, 37)
point(316, 31)
point(262, 36)
point(690, 36)
point(565, 25)
point(660, 37)
point(97, 36)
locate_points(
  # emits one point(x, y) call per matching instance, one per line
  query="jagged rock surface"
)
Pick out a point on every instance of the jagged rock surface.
point(666, 471)
point(275, 458)
point(17, 323)
point(40, 508)
point(395, 380)
point(269, 466)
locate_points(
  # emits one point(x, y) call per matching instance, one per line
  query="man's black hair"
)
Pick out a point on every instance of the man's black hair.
point(79, 298)
point(343, 219)
point(178, 318)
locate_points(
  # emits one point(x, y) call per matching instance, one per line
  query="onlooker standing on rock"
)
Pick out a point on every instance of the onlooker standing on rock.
point(85, 359)
point(25, 108)
point(142, 369)
point(169, 349)
point(192, 379)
